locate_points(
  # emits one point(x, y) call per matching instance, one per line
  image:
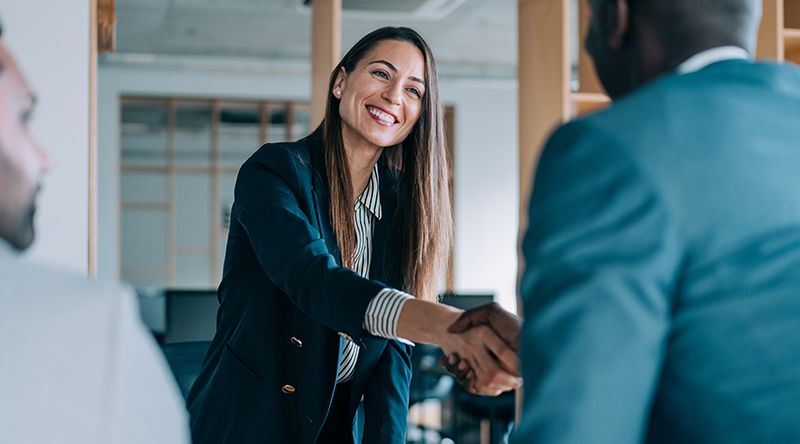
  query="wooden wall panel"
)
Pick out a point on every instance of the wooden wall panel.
point(791, 18)
point(770, 33)
point(543, 70)
point(326, 43)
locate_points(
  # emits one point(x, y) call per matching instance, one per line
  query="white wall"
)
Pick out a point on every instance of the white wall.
point(486, 161)
point(50, 42)
point(486, 186)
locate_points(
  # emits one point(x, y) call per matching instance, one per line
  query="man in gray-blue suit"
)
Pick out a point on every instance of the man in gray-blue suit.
point(662, 288)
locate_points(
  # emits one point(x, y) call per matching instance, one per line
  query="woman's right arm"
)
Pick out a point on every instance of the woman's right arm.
point(494, 362)
point(274, 203)
point(276, 206)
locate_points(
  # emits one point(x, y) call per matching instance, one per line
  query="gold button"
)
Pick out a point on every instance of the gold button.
point(287, 389)
point(346, 336)
point(297, 342)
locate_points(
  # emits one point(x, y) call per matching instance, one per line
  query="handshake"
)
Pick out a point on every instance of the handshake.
point(490, 365)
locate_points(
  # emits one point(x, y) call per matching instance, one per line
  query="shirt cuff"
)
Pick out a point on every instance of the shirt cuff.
point(382, 314)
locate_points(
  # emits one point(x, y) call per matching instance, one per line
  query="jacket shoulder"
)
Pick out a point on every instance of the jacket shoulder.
point(279, 156)
point(290, 161)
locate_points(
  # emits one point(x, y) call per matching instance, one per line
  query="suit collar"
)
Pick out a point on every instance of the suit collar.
point(711, 56)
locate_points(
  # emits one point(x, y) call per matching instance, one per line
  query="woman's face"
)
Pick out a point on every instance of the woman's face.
point(381, 98)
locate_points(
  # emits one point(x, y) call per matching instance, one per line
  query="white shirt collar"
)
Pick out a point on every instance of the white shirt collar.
point(713, 55)
point(371, 197)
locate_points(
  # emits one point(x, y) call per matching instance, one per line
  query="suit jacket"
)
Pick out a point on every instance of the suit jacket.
point(286, 305)
point(77, 365)
point(662, 288)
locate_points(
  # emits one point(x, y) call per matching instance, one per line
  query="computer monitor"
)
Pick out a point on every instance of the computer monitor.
point(191, 315)
point(466, 301)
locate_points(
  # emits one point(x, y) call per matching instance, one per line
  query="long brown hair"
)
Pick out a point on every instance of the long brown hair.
point(424, 220)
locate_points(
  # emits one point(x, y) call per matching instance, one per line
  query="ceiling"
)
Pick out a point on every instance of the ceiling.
point(479, 35)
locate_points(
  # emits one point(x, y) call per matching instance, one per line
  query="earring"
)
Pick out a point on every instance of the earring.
point(338, 93)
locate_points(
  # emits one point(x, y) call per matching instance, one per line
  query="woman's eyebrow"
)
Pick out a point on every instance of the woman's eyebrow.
point(394, 69)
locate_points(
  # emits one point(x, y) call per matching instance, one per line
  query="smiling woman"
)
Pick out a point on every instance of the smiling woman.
point(327, 235)
point(379, 102)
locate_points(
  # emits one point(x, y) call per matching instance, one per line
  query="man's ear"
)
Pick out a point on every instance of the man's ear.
point(338, 85)
point(617, 22)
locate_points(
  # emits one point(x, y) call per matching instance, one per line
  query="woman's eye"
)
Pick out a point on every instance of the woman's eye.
point(380, 73)
point(415, 91)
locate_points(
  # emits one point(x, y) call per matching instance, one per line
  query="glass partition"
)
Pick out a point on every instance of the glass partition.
point(179, 160)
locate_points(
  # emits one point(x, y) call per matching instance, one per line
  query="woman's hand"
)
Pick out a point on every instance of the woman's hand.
point(493, 361)
point(459, 369)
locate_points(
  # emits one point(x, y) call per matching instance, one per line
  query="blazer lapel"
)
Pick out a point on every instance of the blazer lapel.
point(383, 267)
point(322, 210)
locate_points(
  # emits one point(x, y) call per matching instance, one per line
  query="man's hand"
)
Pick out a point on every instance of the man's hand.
point(494, 364)
point(505, 324)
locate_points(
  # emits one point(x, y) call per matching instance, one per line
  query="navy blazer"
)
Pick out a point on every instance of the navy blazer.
point(662, 288)
point(286, 304)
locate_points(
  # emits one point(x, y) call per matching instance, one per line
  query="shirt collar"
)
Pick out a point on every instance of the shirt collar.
point(371, 197)
point(713, 55)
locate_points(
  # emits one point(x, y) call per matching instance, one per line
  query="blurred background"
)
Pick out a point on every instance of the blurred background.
point(148, 107)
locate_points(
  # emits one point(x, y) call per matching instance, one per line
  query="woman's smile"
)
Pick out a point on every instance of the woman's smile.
point(381, 98)
point(381, 116)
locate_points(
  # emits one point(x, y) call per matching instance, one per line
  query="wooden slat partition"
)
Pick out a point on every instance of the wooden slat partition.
point(326, 43)
point(543, 70)
point(770, 33)
point(92, 191)
point(106, 26)
point(791, 14)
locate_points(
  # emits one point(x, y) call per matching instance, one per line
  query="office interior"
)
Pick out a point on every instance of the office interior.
point(148, 107)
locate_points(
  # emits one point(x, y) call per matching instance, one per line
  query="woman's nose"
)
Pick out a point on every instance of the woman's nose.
point(392, 93)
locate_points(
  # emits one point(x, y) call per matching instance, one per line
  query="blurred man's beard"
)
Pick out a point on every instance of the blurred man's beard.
point(16, 227)
point(26, 232)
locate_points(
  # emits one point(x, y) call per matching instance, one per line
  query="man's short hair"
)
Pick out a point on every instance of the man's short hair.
point(681, 21)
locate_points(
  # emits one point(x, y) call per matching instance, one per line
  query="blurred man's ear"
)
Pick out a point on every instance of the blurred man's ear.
point(617, 22)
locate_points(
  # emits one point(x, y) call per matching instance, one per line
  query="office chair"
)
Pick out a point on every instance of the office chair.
point(186, 360)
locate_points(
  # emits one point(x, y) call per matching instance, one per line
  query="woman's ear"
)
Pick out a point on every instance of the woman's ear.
point(617, 22)
point(338, 85)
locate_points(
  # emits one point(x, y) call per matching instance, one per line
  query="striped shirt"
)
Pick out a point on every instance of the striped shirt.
point(384, 309)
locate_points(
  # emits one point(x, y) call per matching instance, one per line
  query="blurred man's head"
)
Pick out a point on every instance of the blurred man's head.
point(635, 41)
point(22, 161)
